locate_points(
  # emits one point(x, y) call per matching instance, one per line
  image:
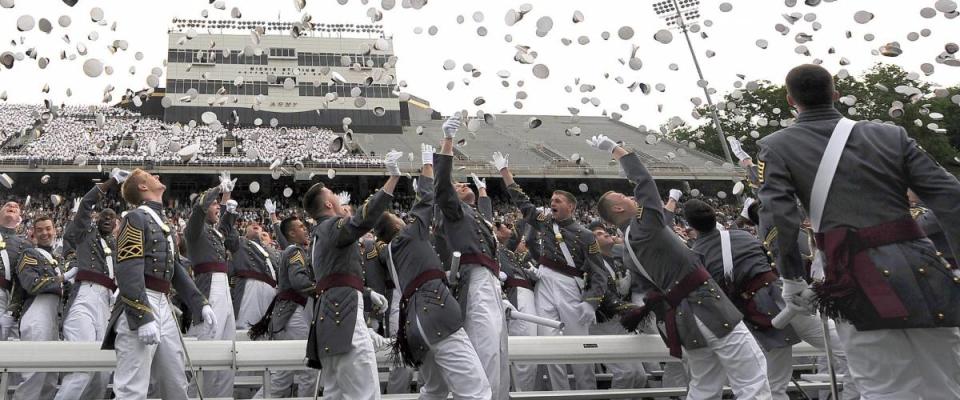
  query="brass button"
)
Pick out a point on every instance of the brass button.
point(699, 302)
point(886, 272)
point(695, 341)
point(940, 316)
point(956, 279)
point(726, 325)
point(326, 349)
point(921, 270)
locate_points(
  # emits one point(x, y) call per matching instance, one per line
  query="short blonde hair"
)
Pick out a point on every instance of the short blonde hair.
point(130, 189)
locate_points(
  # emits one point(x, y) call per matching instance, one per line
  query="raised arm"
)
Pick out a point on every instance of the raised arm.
point(348, 231)
point(483, 200)
point(228, 226)
point(535, 218)
point(938, 189)
point(198, 215)
point(423, 208)
point(83, 218)
point(446, 196)
point(778, 205)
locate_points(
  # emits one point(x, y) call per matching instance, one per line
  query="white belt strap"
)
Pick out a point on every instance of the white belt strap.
point(164, 227)
point(633, 257)
point(50, 259)
point(6, 264)
point(266, 256)
point(393, 269)
point(727, 252)
point(108, 257)
point(822, 182)
point(563, 247)
point(610, 270)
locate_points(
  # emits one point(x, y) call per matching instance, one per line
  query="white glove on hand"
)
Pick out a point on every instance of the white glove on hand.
point(546, 211)
point(231, 206)
point(119, 175)
point(588, 316)
point(481, 184)
point(737, 148)
point(533, 273)
point(379, 342)
point(344, 198)
point(500, 161)
point(415, 188)
point(378, 301)
point(226, 185)
point(676, 194)
point(270, 206)
point(450, 127)
point(426, 153)
point(746, 207)
point(391, 162)
point(508, 306)
point(502, 276)
point(209, 317)
point(7, 322)
point(70, 274)
point(603, 143)
point(797, 294)
point(149, 333)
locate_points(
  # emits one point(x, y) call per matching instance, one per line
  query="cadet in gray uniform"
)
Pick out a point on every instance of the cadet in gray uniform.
point(41, 283)
point(479, 293)
point(698, 317)
point(143, 329)
point(256, 279)
point(339, 340)
point(571, 284)
point(374, 269)
point(207, 250)
point(753, 286)
point(518, 286)
point(290, 312)
point(430, 334)
point(931, 226)
point(89, 307)
point(898, 302)
point(12, 246)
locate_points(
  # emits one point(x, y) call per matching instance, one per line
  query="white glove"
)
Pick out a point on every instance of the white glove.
point(508, 306)
point(6, 323)
point(676, 194)
point(481, 184)
point(426, 153)
point(344, 198)
point(746, 207)
point(378, 301)
point(379, 342)
point(737, 148)
point(415, 188)
point(533, 273)
point(76, 205)
point(502, 276)
point(270, 207)
point(209, 317)
point(70, 274)
point(797, 294)
point(231, 206)
point(226, 185)
point(588, 316)
point(450, 127)
point(546, 211)
point(149, 333)
point(500, 161)
point(119, 175)
point(391, 162)
point(603, 143)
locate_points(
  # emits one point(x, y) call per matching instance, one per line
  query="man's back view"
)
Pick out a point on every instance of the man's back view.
point(896, 300)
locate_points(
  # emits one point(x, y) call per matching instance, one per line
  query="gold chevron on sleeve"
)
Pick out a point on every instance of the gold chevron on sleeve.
point(130, 243)
point(594, 248)
point(297, 257)
point(26, 261)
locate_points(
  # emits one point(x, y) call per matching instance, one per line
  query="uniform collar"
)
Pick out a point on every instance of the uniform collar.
point(48, 249)
point(6, 230)
point(565, 223)
point(819, 113)
point(154, 205)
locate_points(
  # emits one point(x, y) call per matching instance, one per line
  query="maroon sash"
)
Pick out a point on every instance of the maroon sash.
point(674, 296)
point(339, 279)
point(292, 295)
point(480, 259)
point(86, 275)
point(560, 267)
point(250, 274)
point(209, 267)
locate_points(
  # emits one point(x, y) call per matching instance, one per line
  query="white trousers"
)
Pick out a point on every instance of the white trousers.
point(558, 298)
point(398, 382)
point(485, 325)
point(736, 358)
point(626, 375)
point(256, 299)
point(352, 375)
point(281, 382)
point(675, 373)
point(524, 375)
point(5, 331)
point(217, 383)
point(780, 361)
point(39, 324)
point(86, 321)
point(137, 363)
point(903, 364)
point(452, 366)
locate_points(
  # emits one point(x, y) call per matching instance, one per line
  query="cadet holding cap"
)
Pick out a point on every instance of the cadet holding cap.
point(884, 282)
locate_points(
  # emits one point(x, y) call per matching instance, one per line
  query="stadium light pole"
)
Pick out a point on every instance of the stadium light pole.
point(673, 12)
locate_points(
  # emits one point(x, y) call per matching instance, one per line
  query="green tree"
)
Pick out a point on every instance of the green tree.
point(760, 108)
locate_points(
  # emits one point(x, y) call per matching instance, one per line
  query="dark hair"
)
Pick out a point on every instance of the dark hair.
point(700, 215)
point(311, 200)
point(287, 224)
point(43, 218)
point(810, 85)
point(569, 196)
point(603, 207)
point(595, 225)
point(384, 229)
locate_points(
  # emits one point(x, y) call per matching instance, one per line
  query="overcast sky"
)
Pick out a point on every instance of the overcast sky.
point(732, 36)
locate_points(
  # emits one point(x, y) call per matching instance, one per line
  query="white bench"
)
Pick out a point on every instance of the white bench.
point(289, 355)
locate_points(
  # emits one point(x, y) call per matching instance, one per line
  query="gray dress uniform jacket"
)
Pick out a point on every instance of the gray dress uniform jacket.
point(89, 253)
point(206, 246)
point(513, 266)
point(880, 162)
point(931, 226)
point(672, 266)
point(428, 311)
point(38, 275)
point(145, 260)
point(247, 261)
point(375, 273)
point(295, 285)
point(580, 241)
point(754, 288)
point(14, 245)
point(337, 268)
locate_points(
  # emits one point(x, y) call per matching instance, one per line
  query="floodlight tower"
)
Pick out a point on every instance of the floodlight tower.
point(677, 13)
